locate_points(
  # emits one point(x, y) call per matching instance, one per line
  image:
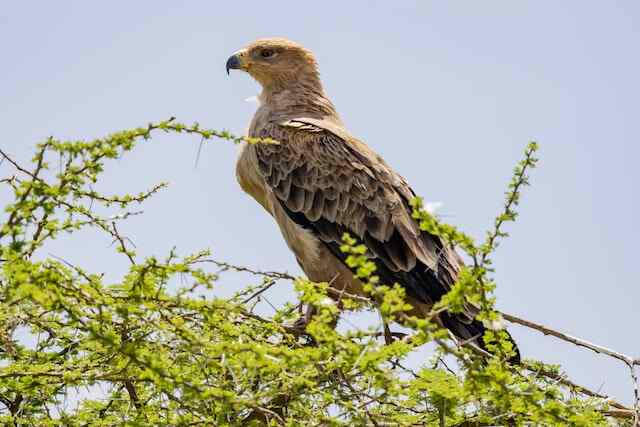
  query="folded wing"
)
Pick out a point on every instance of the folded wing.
point(331, 183)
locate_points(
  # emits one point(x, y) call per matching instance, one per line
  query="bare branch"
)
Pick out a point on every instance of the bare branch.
point(636, 396)
point(569, 338)
point(122, 244)
point(18, 167)
point(133, 394)
point(259, 292)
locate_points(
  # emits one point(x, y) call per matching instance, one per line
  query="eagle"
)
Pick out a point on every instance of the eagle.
point(320, 182)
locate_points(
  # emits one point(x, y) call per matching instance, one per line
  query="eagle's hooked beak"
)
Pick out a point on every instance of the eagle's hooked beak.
point(235, 61)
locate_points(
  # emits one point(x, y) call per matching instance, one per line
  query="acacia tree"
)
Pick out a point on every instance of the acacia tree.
point(166, 355)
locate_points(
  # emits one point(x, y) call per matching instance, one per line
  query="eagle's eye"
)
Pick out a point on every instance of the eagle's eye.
point(267, 53)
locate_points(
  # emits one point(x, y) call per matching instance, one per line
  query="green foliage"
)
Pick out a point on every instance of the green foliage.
point(166, 355)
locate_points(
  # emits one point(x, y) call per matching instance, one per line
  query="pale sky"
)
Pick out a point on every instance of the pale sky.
point(448, 92)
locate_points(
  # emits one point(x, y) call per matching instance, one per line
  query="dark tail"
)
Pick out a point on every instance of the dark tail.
point(474, 331)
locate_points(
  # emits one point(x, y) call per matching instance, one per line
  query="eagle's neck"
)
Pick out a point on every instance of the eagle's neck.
point(298, 99)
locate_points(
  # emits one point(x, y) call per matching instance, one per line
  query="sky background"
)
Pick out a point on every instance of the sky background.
point(448, 92)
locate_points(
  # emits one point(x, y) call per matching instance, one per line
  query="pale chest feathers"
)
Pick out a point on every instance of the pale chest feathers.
point(249, 177)
point(247, 172)
point(302, 242)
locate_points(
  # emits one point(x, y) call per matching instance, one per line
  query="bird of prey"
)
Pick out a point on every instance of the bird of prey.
point(320, 182)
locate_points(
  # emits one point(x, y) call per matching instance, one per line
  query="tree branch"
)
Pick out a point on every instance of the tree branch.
point(629, 361)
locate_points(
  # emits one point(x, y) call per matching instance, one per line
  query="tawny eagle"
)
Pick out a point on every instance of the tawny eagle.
point(320, 182)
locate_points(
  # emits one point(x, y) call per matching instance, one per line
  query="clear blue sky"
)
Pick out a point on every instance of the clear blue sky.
point(448, 92)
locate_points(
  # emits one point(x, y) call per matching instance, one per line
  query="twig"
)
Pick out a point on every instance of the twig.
point(141, 197)
point(618, 413)
point(123, 246)
point(195, 166)
point(133, 394)
point(629, 361)
point(519, 180)
point(34, 175)
point(264, 413)
point(18, 167)
point(258, 292)
point(227, 266)
point(636, 400)
point(562, 379)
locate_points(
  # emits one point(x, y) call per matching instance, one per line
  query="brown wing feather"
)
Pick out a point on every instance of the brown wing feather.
point(342, 182)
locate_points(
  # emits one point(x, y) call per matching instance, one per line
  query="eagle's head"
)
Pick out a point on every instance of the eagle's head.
point(276, 63)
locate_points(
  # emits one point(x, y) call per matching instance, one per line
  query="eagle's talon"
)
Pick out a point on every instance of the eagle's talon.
point(300, 325)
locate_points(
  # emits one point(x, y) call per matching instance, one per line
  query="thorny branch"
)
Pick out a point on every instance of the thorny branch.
point(225, 266)
point(569, 338)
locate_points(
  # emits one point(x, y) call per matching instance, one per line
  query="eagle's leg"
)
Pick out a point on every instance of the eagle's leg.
point(300, 325)
point(388, 338)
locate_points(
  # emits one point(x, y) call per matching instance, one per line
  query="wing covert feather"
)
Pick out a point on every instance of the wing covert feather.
point(334, 183)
